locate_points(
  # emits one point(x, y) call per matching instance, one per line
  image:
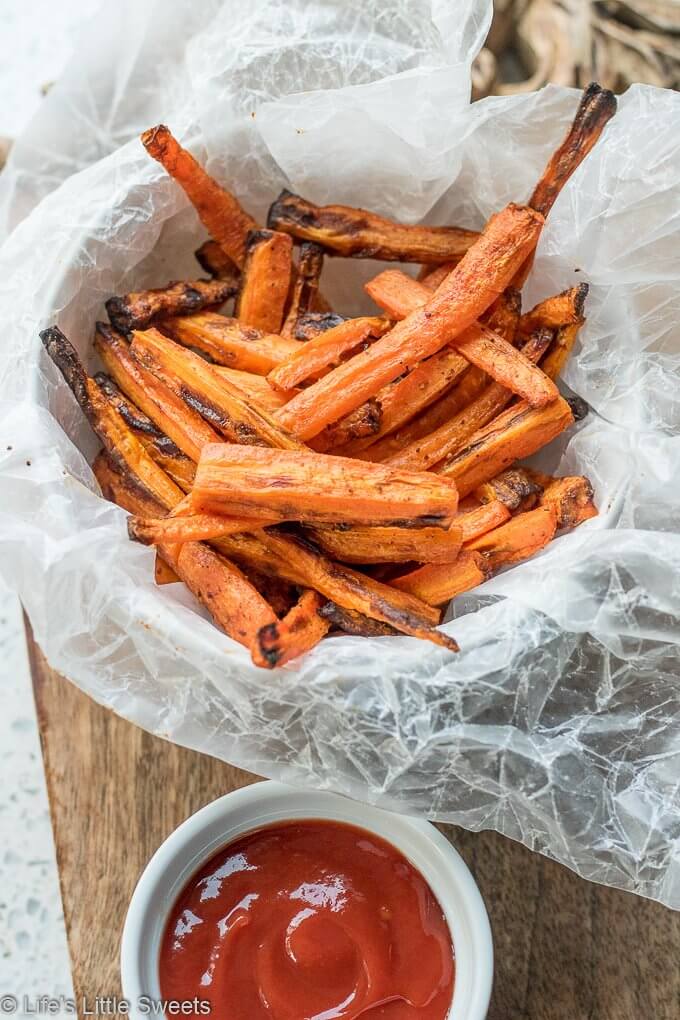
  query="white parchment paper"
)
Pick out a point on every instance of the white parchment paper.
point(559, 722)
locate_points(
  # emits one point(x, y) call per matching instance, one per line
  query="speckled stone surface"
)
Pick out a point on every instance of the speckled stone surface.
point(37, 38)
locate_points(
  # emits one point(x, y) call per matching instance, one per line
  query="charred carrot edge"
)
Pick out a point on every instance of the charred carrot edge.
point(139, 308)
point(424, 453)
point(390, 545)
point(481, 275)
point(513, 487)
point(522, 537)
point(254, 388)
point(229, 343)
point(300, 630)
point(219, 211)
point(357, 233)
point(157, 444)
point(305, 286)
point(162, 573)
point(325, 351)
point(314, 488)
point(184, 426)
point(359, 426)
point(195, 381)
point(562, 309)
point(192, 528)
point(438, 583)
point(123, 488)
point(213, 259)
point(266, 280)
point(351, 622)
point(517, 432)
point(558, 354)
point(403, 399)
point(474, 523)
point(311, 324)
point(572, 500)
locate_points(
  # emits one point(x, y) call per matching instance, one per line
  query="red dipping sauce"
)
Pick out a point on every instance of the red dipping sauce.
point(309, 920)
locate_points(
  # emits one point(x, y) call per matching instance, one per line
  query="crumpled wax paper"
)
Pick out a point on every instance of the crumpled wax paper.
point(558, 724)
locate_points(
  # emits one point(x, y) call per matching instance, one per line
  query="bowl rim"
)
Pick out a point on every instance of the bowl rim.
point(267, 802)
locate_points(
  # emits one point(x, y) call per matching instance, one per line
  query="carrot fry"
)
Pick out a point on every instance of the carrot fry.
point(315, 488)
point(229, 343)
point(430, 450)
point(311, 324)
point(572, 500)
point(193, 528)
point(219, 211)
point(397, 293)
point(184, 426)
point(403, 399)
point(137, 309)
point(481, 275)
point(254, 388)
point(474, 523)
point(159, 446)
point(266, 280)
point(517, 540)
point(517, 432)
point(514, 488)
point(352, 622)
point(563, 309)
point(305, 289)
point(390, 545)
point(124, 449)
point(192, 379)
point(123, 488)
point(595, 108)
point(437, 583)
point(301, 629)
point(325, 351)
point(162, 573)
point(361, 424)
point(343, 230)
point(560, 349)
point(213, 260)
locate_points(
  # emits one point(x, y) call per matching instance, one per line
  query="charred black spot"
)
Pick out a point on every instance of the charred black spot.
point(580, 299)
point(579, 407)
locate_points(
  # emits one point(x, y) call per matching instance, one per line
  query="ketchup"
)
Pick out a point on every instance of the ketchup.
point(309, 920)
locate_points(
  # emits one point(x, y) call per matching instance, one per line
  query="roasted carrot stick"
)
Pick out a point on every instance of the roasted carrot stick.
point(347, 231)
point(305, 288)
point(137, 309)
point(159, 446)
point(266, 280)
point(301, 629)
point(437, 583)
point(230, 343)
point(452, 435)
point(359, 426)
point(513, 487)
point(397, 293)
point(563, 309)
point(351, 622)
point(194, 528)
point(474, 523)
point(219, 211)
point(481, 275)
point(325, 351)
point(162, 573)
point(390, 545)
point(191, 378)
point(315, 488)
point(517, 540)
point(123, 488)
point(572, 500)
point(184, 426)
point(254, 388)
point(213, 259)
point(560, 349)
point(517, 432)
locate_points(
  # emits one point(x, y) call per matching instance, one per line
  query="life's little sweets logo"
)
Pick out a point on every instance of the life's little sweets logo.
point(101, 1006)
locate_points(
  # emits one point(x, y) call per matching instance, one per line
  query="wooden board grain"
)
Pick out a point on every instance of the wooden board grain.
point(565, 949)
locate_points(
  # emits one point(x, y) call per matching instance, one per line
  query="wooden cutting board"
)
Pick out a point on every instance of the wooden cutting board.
point(565, 949)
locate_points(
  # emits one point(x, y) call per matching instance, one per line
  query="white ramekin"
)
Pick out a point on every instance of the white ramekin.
point(252, 807)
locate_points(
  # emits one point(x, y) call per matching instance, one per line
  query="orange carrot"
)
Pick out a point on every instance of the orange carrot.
point(572, 500)
point(266, 280)
point(517, 540)
point(324, 351)
point(301, 629)
point(137, 309)
point(474, 523)
point(437, 583)
point(229, 343)
point(390, 545)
